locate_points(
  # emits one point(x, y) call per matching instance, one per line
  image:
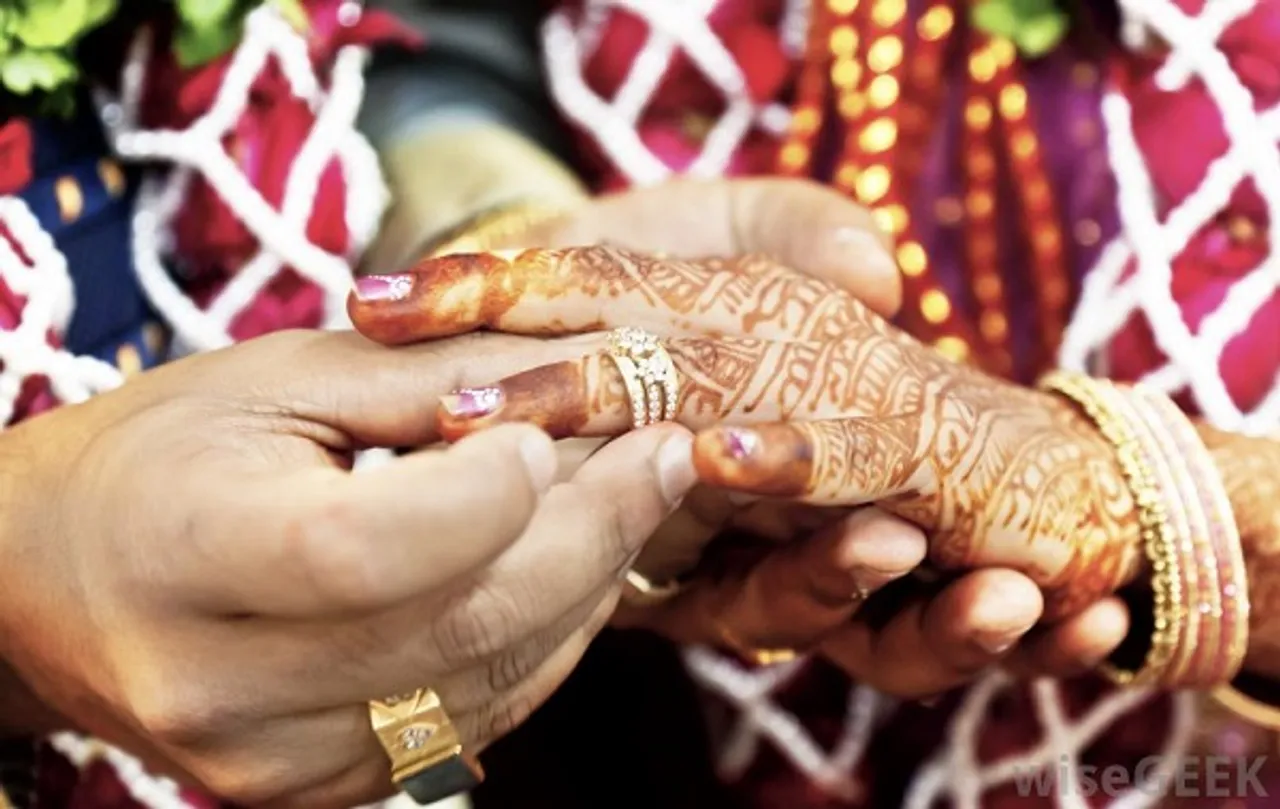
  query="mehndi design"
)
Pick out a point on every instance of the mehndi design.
point(844, 408)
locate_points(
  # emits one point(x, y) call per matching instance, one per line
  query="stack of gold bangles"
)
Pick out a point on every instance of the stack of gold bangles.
point(1188, 530)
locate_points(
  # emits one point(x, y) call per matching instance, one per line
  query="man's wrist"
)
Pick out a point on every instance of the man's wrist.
point(21, 712)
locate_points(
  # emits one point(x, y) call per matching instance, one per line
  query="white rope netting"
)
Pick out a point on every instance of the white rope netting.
point(281, 233)
point(1134, 273)
point(676, 26)
point(1110, 298)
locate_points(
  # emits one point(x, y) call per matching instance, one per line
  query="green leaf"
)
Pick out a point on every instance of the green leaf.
point(29, 70)
point(995, 17)
point(1041, 35)
point(99, 12)
point(204, 14)
point(50, 23)
point(196, 47)
point(1030, 9)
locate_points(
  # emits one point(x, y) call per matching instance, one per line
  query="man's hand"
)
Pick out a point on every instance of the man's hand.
point(191, 570)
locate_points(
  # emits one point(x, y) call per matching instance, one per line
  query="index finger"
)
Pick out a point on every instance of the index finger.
point(582, 289)
point(329, 542)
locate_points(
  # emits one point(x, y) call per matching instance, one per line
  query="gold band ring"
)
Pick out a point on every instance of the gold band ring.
point(641, 592)
point(752, 654)
point(650, 377)
point(428, 761)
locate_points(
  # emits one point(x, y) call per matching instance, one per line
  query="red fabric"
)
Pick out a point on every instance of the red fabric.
point(1181, 134)
point(15, 156)
point(263, 143)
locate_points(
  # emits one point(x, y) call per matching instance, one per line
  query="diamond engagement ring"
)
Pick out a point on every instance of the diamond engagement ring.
point(648, 374)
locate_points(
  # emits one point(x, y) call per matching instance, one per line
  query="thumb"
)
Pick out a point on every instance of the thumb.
point(817, 231)
point(799, 223)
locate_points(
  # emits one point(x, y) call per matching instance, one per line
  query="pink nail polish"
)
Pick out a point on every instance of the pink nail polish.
point(374, 288)
point(472, 403)
point(740, 444)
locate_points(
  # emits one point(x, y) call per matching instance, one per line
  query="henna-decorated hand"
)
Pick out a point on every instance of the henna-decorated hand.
point(1000, 476)
point(804, 225)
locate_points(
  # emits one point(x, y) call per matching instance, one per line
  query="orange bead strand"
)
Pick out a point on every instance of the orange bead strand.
point(979, 145)
point(882, 74)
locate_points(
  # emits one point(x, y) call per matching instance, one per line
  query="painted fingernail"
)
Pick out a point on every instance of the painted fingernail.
point(377, 288)
point(740, 444)
point(676, 474)
point(472, 403)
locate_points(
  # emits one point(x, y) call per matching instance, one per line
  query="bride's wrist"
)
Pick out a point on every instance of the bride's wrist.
point(1199, 611)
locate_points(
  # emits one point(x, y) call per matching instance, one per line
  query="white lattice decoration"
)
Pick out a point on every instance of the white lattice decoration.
point(47, 302)
point(1151, 245)
point(953, 774)
point(199, 150)
point(674, 26)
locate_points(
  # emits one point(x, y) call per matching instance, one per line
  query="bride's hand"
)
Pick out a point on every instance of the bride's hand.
point(828, 403)
point(795, 349)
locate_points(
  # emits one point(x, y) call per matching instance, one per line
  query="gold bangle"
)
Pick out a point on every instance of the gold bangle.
point(1159, 541)
point(493, 228)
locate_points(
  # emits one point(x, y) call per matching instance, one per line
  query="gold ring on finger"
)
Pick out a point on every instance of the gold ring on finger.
point(428, 761)
point(648, 373)
point(642, 592)
point(752, 654)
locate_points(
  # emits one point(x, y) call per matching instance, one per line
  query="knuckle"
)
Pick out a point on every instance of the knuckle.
point(177, 719)
point(244, 783)
point(482, 626)
point(609, 529)
point(510, 669)
point(327, 546)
